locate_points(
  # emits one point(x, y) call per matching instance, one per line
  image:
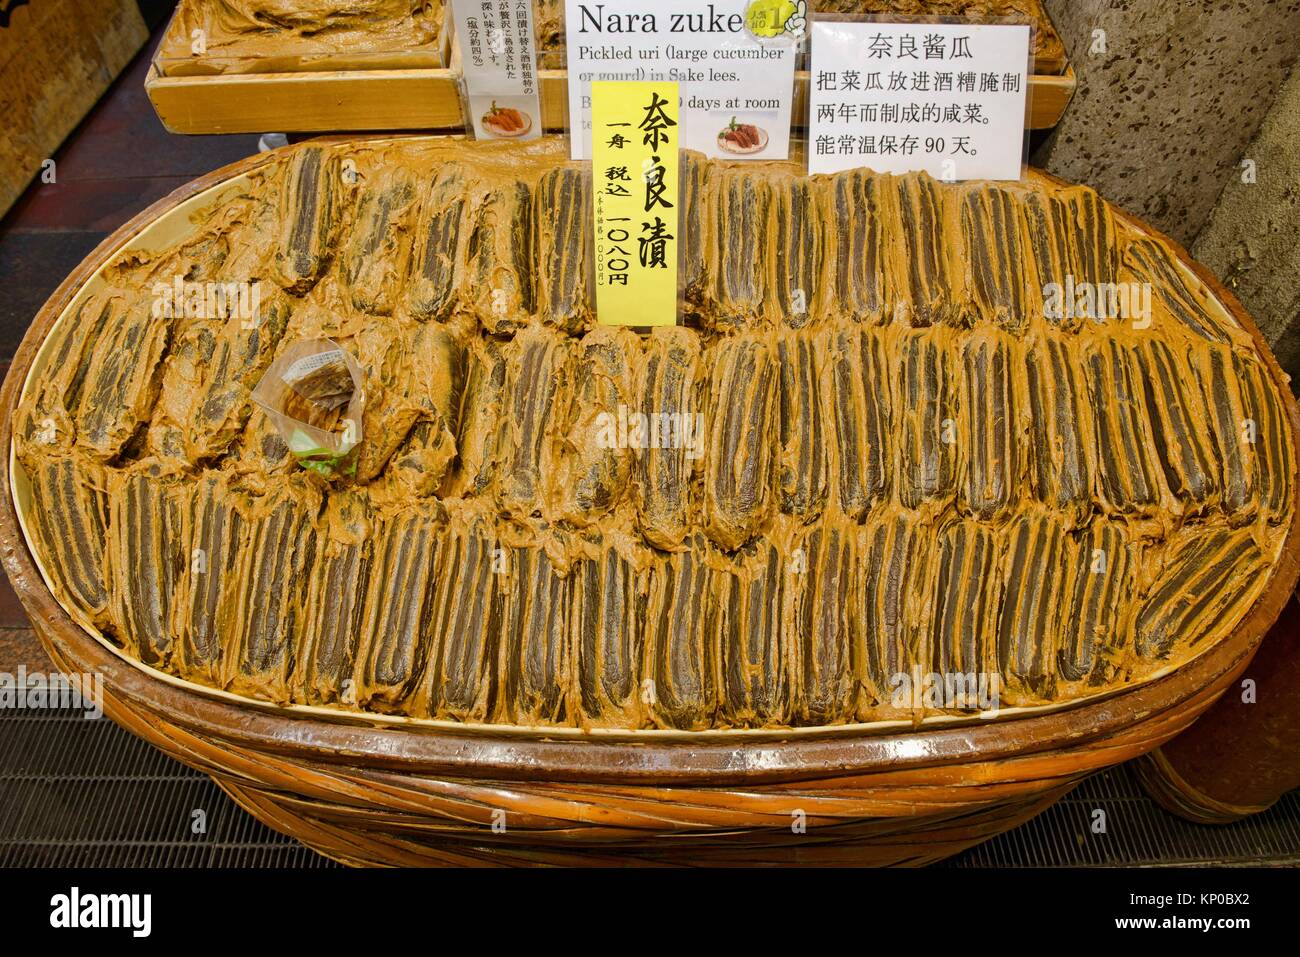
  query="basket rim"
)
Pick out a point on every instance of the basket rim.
point(760, 754)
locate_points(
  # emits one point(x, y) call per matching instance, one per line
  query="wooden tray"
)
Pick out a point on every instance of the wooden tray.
point(392, 793)
point(252, 100)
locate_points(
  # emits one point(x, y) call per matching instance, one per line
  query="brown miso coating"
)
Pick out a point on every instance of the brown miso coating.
point(325, 658)
point(739, 460)
point(498, 256)
point(45, 417)
point(238, 353)
point(70, 509)
point(966, 595)
point(757, 647)
point(213, 544)
point(1126, 459)
point(398, 623)
point(857, 412)
point(931, 272)
point(1034, 567)
point(146, 559)
point(593, 471)
point(672, 382)
point(997, 245)
point(681, 639)
point(992, 440)
point(1060, 442)
point(790, 510)
point(826, 621)
point(539, 373)
point(438, 245)
point(536, 653)
point(891, 585)
point(858, 278)
point(1098, 577)
point(466, 604)
point(413, 374)
point(561, 243)
point(480, 420)
point(374, 256)
point(122, 379)
point(797, 260)
point(607, 624)
point(1206, 579)
point(737, 217)
point(273, 578)
point(926, 405)
point(310, 201)
point(271, 36)
point(436, 375)
point(802, 457)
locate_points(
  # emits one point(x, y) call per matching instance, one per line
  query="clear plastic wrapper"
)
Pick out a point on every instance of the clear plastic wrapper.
point(314, 393)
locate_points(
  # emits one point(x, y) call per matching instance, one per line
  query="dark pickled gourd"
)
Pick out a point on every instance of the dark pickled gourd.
point(892, 463)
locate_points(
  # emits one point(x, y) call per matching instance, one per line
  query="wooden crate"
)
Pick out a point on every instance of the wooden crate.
point(246, 100)
point(57, 57)
point(423, 99)
point(307, 102)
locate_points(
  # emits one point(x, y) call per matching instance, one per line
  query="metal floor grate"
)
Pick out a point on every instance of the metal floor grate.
point(79, 793)
point(1138, 833)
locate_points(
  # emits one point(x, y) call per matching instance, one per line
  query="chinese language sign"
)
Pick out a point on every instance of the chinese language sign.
point(499, 64)
point(896, 97)
point(635, 135)
point(736, 90)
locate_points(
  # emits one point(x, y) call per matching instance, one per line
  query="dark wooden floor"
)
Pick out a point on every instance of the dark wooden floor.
point(117, 162)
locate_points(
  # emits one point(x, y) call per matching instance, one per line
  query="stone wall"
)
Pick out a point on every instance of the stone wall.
point(1252, 240)
point(1163, 117)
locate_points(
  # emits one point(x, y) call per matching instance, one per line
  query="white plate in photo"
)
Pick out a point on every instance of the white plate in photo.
point(729, 147)
point(496, 130)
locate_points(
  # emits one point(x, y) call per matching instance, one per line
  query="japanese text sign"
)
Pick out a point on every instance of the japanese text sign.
point(635, 167)
point(736, 90)
point(499, 64)
point(948, 99)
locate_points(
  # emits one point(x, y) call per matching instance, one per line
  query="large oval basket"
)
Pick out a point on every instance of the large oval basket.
point(388, 793)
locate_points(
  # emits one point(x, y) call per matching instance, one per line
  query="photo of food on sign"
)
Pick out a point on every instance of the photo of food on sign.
point(506, 122)
point(742, 138)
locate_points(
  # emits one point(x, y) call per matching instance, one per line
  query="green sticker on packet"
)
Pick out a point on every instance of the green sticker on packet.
point(768, 19)
point(322, 461)
point(313, 393)
point(329, 468)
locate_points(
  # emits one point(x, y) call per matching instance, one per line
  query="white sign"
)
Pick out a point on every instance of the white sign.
point(736, 90)
point(499, 63)
point(948, 99)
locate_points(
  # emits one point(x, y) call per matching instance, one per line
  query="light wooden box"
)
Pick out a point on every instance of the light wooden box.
point(246, 99)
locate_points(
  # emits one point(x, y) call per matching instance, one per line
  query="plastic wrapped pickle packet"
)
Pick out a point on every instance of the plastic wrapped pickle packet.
point(314, 393)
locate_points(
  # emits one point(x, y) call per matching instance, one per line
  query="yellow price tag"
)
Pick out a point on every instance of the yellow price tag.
point(635, 143)
point(767, 18)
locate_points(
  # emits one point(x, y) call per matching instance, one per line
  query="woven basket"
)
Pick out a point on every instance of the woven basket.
point(387, 793)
